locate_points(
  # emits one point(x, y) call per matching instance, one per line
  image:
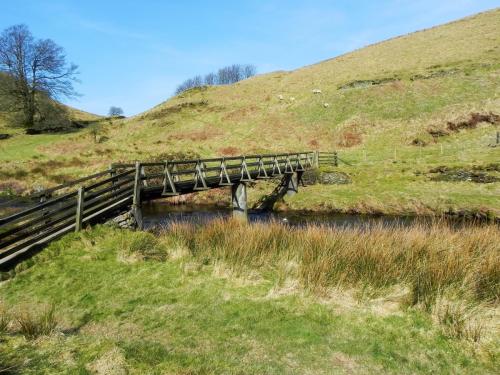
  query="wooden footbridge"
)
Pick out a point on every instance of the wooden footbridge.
point(124, 187)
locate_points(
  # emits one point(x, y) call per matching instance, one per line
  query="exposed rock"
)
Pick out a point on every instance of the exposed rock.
point(317, 176)
point(434, 74)
point(125, 221)
point(5, 136)
point(334, 178)
point(366, 83)
point(474, 174)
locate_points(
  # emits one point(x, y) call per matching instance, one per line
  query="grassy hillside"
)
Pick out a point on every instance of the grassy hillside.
point(378, 107)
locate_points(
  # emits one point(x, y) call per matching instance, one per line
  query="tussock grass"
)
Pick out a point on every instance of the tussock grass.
point(34, 324)
point(459, 319)
point(4, 320)
point(429, 259)
point(142, 246)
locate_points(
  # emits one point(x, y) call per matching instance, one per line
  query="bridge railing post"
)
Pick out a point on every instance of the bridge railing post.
point(79, 208)
point(136, 199)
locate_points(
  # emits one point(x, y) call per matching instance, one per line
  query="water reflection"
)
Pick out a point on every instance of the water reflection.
point(161, 214)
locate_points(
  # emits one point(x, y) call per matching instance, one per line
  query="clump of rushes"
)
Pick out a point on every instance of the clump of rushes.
point(142, 246)
point(429, 259)
point(459, 319)
point(33, 325)
point(4, 320)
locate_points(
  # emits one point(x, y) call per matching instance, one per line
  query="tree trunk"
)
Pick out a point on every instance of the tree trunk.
point(29, 111)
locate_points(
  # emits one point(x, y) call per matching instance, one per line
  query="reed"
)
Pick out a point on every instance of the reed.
point(429, 259)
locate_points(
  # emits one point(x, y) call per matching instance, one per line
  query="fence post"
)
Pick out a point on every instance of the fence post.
point(79, 208)
point(335, 159)
point(498, 138)
point(112, 170)
point(136, 199)
point(316, 159)
point(112, 173)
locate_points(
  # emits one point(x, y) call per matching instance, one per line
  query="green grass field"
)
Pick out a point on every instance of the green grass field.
point(381, 99)
point(135, 303)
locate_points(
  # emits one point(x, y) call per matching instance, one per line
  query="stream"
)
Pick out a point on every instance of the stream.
point(158, 214)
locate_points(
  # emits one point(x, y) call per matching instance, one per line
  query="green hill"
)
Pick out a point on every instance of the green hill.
point(394, 110)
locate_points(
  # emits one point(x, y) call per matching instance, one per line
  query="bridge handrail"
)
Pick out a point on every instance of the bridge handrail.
point(117, 188)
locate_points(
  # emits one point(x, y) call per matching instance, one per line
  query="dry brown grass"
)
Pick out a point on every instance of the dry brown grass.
point(204, 134)
point(430, 260)
point(229, 151)
point(350, 139)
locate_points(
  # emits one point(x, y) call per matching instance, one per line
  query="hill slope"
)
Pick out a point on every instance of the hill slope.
point(387, 108)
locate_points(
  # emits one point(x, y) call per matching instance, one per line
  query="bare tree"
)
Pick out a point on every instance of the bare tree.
point(197, 81)
point(234, 72)
point(115, 111)
point(249, 71)
point(37, 67)
point(210, 79)
point(224, 76)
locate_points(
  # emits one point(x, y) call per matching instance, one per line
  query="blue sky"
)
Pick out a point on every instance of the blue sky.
point(134, 53)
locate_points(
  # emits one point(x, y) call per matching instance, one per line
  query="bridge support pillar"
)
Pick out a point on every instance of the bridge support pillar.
point(239, 201)
point(292, 183)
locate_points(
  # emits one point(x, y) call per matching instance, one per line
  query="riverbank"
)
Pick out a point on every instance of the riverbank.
point(265, 298)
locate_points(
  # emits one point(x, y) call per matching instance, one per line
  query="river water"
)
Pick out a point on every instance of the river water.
point(157, 214)
point(161, 213)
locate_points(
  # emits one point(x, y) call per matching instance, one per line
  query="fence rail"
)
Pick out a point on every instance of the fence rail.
point(125, 185)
